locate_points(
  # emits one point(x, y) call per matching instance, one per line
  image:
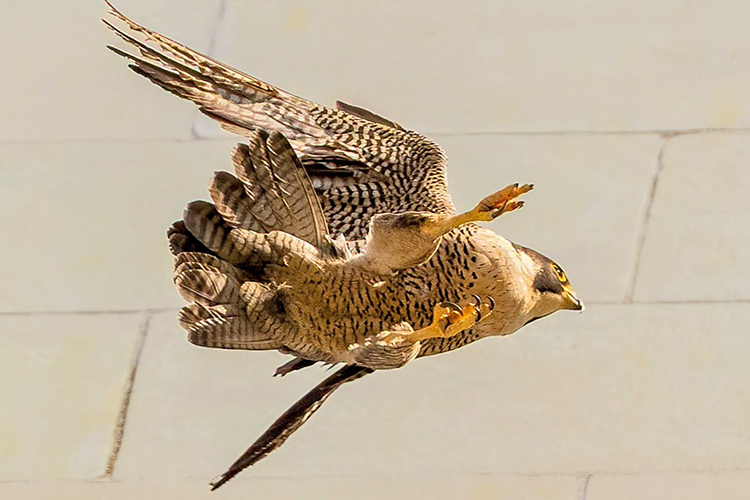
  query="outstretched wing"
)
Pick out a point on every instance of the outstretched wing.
point(360, 163)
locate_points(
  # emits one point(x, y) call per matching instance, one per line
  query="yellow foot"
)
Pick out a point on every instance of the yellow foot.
point(486, 210)
point(449, 319)
point(395, 347)
point(501, 202)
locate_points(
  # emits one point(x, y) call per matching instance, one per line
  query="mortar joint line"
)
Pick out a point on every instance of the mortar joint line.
point(499, 133)
point(220, 16)
point(122, 417)
point(646, 219)
point(583, 487)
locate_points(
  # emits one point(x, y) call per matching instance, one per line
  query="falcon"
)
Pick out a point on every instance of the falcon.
point(335, 241)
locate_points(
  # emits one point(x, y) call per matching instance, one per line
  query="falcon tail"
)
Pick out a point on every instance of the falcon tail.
point(222, 248)
point(291, 420)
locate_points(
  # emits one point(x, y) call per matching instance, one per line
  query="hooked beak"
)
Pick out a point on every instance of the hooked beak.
point(574, 302)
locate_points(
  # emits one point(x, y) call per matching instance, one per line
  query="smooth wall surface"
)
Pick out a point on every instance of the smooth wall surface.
point(632, 119)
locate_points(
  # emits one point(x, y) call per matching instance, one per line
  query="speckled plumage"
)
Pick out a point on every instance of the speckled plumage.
point(259, 279)
point(271, 277)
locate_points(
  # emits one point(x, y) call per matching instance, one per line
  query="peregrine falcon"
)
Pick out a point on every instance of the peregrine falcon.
point(335, 240)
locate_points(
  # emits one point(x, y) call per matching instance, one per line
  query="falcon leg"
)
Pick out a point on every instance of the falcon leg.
point(490, 208)
point(394, 348)
point(448, 319)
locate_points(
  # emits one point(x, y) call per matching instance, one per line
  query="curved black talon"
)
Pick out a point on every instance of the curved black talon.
point(477, 306)
point(451, 305)
point(492, 302)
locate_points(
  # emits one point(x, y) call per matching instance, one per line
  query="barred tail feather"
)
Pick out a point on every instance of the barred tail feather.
point(234, 245)
point(271, 191)
point(224, 312)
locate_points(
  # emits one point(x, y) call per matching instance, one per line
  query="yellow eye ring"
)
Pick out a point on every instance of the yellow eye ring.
point(560, 273)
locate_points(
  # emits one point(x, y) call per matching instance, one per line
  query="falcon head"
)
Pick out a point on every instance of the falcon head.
point(550, 288)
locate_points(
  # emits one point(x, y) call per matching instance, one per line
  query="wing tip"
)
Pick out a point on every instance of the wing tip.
point(220, 480)
point(111, 9)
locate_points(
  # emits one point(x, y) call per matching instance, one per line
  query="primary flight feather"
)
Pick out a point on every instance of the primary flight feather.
point(335, 240)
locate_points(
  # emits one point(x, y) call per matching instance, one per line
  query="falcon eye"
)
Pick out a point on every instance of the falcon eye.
point(560, 273)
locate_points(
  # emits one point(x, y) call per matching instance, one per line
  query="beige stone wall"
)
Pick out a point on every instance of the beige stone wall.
point(632, 119)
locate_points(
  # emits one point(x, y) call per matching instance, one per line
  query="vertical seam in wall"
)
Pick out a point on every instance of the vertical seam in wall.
point(646, 218)
point(122, 417)
point(218, 22)
point(583, 487)
point(217, 26)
